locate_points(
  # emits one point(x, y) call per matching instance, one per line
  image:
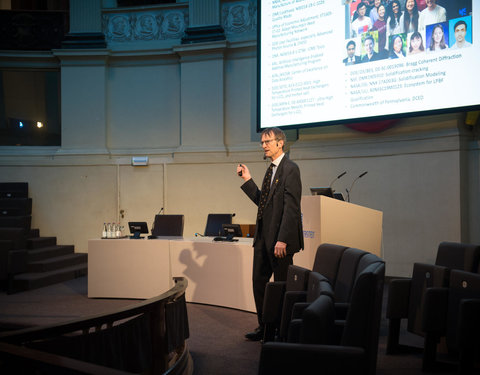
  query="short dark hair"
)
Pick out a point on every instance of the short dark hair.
point(276, 132)
point(361, 5)
point(369, 37)
point(351, 42)
point(461, 22)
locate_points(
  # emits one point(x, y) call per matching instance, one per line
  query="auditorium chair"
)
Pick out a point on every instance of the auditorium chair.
point(297, 278)
point(453, 313)
point(406, 296)
point(327, 260)
point(295, 302)
point(356, 351)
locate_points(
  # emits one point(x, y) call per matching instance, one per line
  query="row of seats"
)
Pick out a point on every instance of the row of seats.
point(328, 316)
point(15, 222)
point(440, 302)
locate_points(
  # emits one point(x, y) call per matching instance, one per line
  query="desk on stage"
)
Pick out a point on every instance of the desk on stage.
point(126, 268)
point(218, 273)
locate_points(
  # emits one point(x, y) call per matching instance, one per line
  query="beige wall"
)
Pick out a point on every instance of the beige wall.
point(423, 173)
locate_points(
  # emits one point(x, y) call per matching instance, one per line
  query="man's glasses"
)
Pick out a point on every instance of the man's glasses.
point(267, 141)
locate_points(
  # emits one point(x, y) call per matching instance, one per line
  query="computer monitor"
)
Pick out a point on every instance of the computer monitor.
point(168, 225)
point(136, 228)
point(231, 230)
point(215, 222)
point(327, 191)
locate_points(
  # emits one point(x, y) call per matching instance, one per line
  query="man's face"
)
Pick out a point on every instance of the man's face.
point(272, 147)
point(431, 4)
point(460, 32)
point(369, 46)
point(362, 9)
point(351, 50)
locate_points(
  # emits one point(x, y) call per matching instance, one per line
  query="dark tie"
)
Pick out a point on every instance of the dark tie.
point(265, 190)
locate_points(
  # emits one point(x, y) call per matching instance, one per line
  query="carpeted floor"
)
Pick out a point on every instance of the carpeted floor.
point(216, 342)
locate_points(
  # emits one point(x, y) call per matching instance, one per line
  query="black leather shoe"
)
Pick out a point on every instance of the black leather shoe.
point(256, 335)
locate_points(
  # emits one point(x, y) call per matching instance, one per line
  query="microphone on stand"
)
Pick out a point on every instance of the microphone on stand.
point(335, 179)
point(351, 186)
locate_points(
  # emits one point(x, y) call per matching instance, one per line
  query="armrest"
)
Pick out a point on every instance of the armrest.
point(298, 309)
point(398, 298)
point(294, 330)
point(341, 310)
point(273, 301)
point(435, 308)
point(469, 324)
point(292, 358)
point(291, 298)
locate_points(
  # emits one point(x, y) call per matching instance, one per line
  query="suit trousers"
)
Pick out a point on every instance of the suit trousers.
point(264, 265)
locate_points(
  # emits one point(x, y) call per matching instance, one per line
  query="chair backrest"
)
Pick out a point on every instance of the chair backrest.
point(365, 261)
point(297, 278)
point(346, 275)
point(362, 325)
point(168, 225)
point(214, 224)
point(463, 285)
point(424, 276)
point(327, 260)
point(458, 256)
point(318, 285)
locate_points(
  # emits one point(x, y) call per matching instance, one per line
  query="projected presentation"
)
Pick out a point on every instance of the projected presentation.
point(329, 62)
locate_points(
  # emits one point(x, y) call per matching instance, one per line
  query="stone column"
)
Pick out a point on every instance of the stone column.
point(85, 25)
point(204, 22)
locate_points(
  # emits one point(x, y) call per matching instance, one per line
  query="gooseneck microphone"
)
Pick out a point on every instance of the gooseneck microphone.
point(351, 186)
point(336, 178)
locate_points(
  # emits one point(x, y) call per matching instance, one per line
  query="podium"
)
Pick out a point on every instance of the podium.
point(328, 220)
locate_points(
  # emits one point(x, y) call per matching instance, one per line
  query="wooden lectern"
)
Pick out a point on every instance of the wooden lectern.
point(329, 220)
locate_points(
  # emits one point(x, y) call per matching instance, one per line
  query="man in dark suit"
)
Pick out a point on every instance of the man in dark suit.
point(371, 55)
point(278, 233)
point(351, 58)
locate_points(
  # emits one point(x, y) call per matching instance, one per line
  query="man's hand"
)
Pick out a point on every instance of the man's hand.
point(243, 172)
point(280, 249)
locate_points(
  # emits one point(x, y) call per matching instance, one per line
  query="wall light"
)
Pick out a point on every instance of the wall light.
point(39, 124)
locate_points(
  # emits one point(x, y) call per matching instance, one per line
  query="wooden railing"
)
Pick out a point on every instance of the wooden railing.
point(147, 338)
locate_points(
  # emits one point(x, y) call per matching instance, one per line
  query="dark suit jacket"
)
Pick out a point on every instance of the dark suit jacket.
point(356, 60)
point(282, 218)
